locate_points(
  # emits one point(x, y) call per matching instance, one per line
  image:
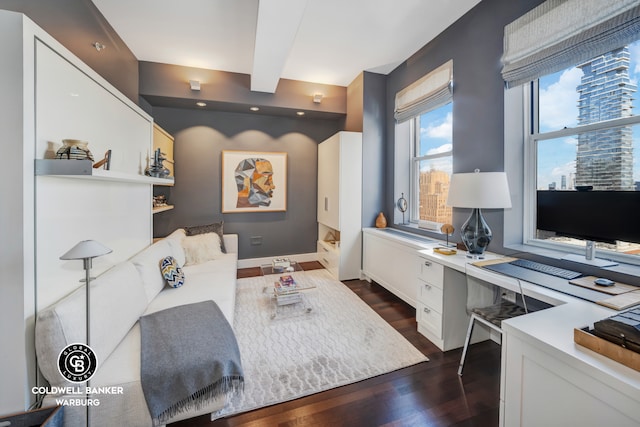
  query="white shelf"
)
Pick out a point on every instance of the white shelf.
point(66, 169)
point(159, 209)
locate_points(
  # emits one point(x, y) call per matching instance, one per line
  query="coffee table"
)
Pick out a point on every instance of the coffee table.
point(287, 301)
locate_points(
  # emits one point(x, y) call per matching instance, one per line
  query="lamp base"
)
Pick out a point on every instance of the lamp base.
point(476, 234)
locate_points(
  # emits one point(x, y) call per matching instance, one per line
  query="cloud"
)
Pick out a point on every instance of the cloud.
point(444, 148)
point(443, 130)
point(558, 101)
point(440, 164)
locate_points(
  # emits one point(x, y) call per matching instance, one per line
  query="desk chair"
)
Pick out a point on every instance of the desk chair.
point(492, 316)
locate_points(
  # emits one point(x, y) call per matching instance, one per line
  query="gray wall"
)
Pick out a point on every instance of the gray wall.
point(374, 174)
point(200, 137)
point(474, 42)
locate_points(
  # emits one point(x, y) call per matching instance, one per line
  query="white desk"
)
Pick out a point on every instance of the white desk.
point(547, 379)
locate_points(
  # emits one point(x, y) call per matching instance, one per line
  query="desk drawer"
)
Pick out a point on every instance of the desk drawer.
point(431, 272)
point(429, 319)
point(430, 295)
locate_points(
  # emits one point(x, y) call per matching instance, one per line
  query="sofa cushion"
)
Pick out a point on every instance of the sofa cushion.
point(172, 272)
point(175, 240)
point(117, 301)
point(201, 248)
point(148, 264)
point(216, 227)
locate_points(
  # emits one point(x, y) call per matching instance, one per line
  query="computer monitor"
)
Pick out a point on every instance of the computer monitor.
point(603, 216)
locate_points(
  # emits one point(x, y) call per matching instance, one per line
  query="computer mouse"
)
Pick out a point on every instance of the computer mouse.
point(604, 282)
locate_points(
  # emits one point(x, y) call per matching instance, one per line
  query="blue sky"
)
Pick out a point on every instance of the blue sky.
point(436, 129)
point(558, 109)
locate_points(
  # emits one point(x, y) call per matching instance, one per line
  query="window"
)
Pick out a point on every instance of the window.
point(431, 165)
point(585, 138)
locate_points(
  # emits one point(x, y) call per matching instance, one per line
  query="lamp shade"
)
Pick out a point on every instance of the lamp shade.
point(485, 190)
point(86, 249)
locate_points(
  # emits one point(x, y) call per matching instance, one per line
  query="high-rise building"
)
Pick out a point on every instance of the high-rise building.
point(434, 188)
point(605, 158)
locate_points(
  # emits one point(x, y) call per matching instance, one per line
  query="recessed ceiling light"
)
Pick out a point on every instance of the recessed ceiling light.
point(254, 108)
point(201, 104)
point(300, 113)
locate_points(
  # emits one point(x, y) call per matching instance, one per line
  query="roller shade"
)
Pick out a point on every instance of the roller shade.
point(429, 92)
point(560, 33)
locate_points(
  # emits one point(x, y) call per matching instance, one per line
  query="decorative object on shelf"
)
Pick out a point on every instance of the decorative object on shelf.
point(447, 230)
point(381, 221)
point(445, 251)
point(105, 163)
point(402, 206)
point(254, 181)
point(157, 169)
point(74, 149)
point(478, 190)
point(159, 201)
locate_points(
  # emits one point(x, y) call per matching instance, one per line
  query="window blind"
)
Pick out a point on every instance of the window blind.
point(429, 92)
point(560, 33)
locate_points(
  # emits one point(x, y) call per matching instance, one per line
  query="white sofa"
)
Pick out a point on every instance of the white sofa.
point(119, 297)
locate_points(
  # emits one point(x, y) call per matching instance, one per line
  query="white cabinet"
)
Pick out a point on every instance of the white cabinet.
point(540, 386)
point(49, 95)
point(391, 264)
point(340, 204)
point(441, 309)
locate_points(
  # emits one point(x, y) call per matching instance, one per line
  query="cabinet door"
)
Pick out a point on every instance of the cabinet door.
point(329, 182)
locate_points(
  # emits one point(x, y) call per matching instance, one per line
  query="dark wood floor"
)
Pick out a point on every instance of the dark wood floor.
point(427, 394)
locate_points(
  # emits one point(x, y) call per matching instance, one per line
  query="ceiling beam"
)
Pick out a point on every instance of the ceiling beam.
point(276, 29)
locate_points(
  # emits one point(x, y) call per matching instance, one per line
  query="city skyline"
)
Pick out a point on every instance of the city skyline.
point(559, 101)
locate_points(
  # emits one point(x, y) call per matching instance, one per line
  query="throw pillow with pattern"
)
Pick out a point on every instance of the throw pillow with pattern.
point(171, 272)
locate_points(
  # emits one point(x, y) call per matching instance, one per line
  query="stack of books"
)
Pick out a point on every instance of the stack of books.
point(286, 291)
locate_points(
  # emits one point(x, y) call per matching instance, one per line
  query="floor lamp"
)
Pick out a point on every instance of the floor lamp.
point(86, 250)
point(478, 190)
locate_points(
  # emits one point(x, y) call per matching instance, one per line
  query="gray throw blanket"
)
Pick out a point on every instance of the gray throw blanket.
point(189, 357)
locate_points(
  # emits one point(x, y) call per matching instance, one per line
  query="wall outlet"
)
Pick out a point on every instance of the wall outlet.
point(509, 295)
point(256, 240)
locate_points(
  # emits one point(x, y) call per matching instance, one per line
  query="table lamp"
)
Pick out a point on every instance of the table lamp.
point(478, 190)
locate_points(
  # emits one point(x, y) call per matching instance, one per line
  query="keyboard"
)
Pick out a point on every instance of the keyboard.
point(547, 269)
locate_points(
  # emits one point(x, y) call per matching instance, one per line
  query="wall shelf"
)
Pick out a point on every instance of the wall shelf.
point(81, 169)
point(159, 209)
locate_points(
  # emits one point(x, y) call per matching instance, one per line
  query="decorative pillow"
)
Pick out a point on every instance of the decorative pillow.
point(171, 272)
point(201, 248)
point(216, 227)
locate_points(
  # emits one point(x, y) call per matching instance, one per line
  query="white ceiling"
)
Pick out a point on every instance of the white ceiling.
point(320, 41)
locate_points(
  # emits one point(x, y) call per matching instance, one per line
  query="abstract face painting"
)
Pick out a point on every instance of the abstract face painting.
point(254, 178)
point(258, 182)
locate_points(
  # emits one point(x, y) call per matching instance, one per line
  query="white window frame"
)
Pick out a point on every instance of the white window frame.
point(415, 159)
point(531, 138)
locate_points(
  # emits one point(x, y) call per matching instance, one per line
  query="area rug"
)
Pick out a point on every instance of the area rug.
point(339, 341)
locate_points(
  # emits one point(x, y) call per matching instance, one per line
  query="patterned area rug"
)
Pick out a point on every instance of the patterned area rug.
point(339, 341)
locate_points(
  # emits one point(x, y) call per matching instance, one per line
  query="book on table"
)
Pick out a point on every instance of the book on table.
point(285, 285)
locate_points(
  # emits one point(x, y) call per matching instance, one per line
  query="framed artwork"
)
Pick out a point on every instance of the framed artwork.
point(254, 181)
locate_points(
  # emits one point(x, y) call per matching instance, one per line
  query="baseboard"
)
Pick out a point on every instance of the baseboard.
point(257, 262)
